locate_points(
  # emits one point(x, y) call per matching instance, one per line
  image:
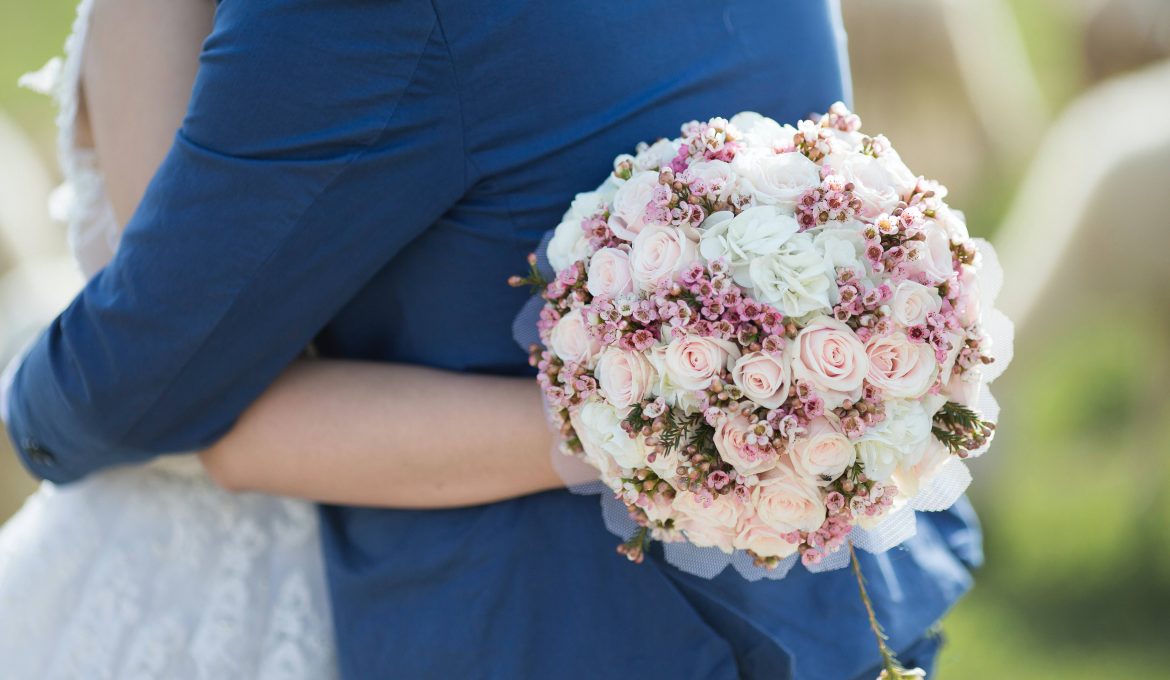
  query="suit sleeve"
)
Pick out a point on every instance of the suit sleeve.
point(321, 138)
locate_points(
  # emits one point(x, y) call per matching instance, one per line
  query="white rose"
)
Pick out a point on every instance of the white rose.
point(763, 377)
point(931, 256)
point(629, 204)
point(970, 301)
point(823, 453)
point(842, 249)
point(900, 439)
point(753, 233)
point(766, 134)
point(624, 378)
point(912, 302)
point(910, 478)
point(899, 367)
point(568, 245)
point(658, 254)
point(953, 223)
point(794, 279)
point(716, 175)
point(571, 341)
point(762, 539)
point(693, 362)
point(710, 525)
point(786, 502)
point(602, 436)
point(776, 179)
point(880, 183)
point(831, 359)
point(657, 155)
point(609, 273)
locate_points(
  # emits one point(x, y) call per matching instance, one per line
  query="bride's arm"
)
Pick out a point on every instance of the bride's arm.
point(363, 433)
point(334, 431)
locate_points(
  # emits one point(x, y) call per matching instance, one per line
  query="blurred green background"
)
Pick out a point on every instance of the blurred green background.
point(1000, 100)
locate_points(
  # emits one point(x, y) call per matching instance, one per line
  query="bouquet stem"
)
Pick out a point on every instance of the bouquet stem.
point(891, 669)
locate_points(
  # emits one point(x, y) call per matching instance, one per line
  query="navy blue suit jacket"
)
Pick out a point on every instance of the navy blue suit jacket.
point(366, 174)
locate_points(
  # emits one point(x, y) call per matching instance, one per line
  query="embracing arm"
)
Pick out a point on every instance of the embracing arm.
point(357, 433)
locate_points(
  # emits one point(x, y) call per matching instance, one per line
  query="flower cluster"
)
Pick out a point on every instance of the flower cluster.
point(762, 335)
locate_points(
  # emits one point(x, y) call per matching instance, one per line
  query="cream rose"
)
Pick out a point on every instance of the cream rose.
point(624, 378)
point(794, 279)
point(658, 254)
point(900, 439)
point(823, 453)
point(764, 378)
point(753, 233)
point(880, 183)
point(694, 362)
point(629, 204)
point(912, 302)
point(899, 367)
point(609, 273)
point(710, 525)
point(785, 502)
point(762, 539)
point(831, 359)
point(731, 442)
point(570, 340)
point(777, 179)
point(931, 256)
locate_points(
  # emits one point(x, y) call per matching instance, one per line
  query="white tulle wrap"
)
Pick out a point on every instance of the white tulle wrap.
point(937, 492)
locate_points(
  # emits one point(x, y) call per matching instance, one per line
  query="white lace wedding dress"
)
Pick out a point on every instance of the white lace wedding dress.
point(152, 572)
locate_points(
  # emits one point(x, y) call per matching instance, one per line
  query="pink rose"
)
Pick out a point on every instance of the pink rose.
point(762, 539)
point(831, 358)
point(629, 205)
point(658, 254)
point(899, 367)
point(693, 362)
point(570, 340)
point(609, 273)
point(731, 442)
point(823, 453)
point(786, 502)
point(624, 378)
point(708, 524)
point(763, 377)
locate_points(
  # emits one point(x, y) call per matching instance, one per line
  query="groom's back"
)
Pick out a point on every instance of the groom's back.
point(545, 94)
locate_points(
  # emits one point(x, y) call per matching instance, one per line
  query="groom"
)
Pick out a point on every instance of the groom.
point(365, 176)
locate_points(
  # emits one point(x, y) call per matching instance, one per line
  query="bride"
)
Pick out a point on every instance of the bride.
point(156, 571)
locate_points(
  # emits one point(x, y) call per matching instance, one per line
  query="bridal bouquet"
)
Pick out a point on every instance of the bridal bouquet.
point(763, 336)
